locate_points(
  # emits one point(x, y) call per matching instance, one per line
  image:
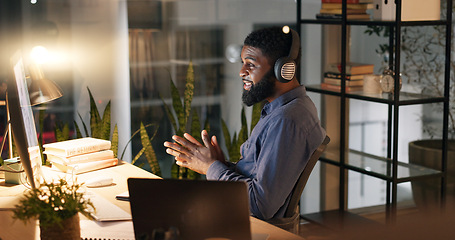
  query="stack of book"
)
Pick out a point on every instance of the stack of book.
point(80, 155)
point(355, 9)
point(355, 73)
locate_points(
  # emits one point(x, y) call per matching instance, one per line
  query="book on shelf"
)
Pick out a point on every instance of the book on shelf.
point(363, 16)
point(337, 82)
point(82, 158)
point(347, 1)
point(363, 6)
point(85, 167)
point(347, 76)
point(337, 88)
point(352, 68)
point(339, 11)
point(77, 146)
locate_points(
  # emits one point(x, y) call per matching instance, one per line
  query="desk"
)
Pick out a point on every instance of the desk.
point(9, 195)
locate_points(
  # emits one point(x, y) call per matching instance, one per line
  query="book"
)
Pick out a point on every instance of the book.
point(85, 167)
point(337, 82)
point(337, 88)
point(352, 68)
point(347, 77)
point(347, 1)
point(77, 146)
point(363, 16)
point(339, 11)
point(83, 158)
point(363, 6)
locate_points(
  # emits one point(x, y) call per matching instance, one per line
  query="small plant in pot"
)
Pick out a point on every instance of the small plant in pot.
point(56, 205)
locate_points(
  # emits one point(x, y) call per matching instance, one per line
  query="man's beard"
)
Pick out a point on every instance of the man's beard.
point(259, 91)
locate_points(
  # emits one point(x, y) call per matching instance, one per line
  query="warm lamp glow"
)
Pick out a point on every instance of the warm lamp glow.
point(286, 29)
point(39, 55)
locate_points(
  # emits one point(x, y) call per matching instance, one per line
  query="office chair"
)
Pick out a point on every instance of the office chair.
point(291, 219)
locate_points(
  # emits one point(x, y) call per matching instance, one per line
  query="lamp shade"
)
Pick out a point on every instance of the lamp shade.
point(41, 89)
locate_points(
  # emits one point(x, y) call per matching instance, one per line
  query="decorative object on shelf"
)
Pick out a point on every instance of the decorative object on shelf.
point(388, 81)
point(371, 84)
point(56, 205)
point(411, 10)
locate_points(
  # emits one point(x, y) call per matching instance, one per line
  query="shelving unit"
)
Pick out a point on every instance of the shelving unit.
point(391, 169)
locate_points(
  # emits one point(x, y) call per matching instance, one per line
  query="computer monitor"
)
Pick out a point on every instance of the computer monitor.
point(22, 122)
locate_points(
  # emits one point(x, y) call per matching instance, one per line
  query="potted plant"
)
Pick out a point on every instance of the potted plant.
point(56, 205)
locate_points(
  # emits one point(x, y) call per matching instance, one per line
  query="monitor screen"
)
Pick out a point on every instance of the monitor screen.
point(22, 122)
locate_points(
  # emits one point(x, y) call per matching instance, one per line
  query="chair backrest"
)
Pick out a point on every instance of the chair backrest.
point(301, 182)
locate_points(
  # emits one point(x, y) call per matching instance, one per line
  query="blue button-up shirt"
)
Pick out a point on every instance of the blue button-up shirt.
point(276, 153)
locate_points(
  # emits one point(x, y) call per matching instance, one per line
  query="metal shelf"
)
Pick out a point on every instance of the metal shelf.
point(406, 98)
point(372, 22)
point(379, 167)
point(388, 169)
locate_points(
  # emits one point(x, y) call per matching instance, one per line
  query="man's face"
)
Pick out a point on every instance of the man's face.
point(257, 76)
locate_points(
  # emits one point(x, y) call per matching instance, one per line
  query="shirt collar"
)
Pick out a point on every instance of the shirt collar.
point(282, 100)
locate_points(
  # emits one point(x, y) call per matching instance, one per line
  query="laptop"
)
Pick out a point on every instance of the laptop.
point(189, 209)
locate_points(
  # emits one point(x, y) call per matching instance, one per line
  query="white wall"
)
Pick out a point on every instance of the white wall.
point(100, 61)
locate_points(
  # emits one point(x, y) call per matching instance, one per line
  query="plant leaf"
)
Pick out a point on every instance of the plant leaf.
point(196, 126)
point(177, 105)
point(114, 141)
point(95, 118)
point(226, 134)
point(83, 124)
point(78, 131)
point(175, 171)
point(105, 130)
point(41, 131)
point(149, 152)
point(189, 91)
point(138, 155)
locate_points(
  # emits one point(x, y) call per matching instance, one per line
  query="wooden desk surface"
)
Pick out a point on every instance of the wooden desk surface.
point(9, 195)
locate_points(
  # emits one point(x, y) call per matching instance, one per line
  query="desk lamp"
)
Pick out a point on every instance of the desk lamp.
point(41, 90)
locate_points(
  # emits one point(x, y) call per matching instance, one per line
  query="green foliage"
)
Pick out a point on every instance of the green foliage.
point(149, 152)
point(40, 137)
point(233, 144)
point(52, 203)
point(100, 127)
point(62, 132)
point(179, 116)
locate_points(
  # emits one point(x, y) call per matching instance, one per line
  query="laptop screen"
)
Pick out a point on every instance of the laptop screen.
point(189, 209)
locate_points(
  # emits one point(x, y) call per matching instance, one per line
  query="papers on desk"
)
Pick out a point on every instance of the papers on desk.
point(8, 203)
point(105, 210)
point(118, 230)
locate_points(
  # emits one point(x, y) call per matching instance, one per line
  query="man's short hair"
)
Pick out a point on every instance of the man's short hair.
point(272, 41)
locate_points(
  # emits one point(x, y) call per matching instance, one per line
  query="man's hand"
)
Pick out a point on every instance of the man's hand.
point(191, 154)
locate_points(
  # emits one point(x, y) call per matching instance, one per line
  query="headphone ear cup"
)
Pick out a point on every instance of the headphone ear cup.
point(284, 69)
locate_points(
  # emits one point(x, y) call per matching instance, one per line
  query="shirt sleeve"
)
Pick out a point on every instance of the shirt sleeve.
point(283, 155)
